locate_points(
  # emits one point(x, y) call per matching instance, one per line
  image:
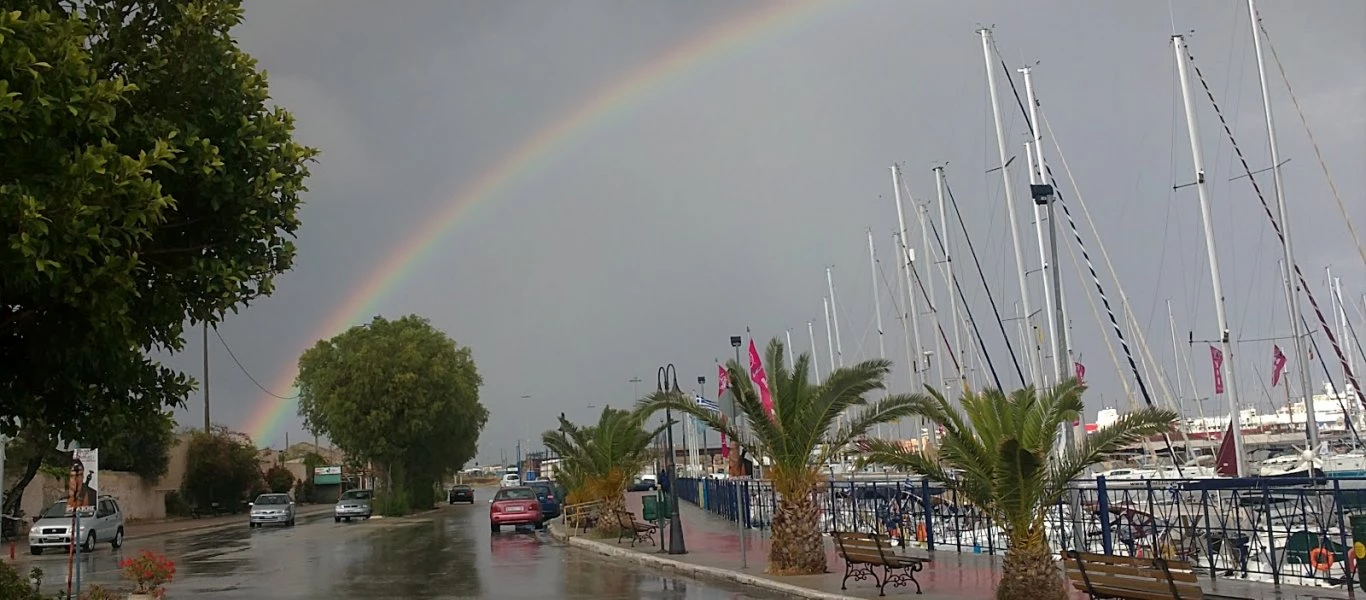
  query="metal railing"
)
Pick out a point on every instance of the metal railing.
point(1275, 530)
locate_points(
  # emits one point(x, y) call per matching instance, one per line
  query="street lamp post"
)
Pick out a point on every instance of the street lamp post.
point(702, 391)
point(740, 517)
point(667, 381)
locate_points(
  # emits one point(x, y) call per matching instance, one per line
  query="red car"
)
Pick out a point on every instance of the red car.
point(514, 506)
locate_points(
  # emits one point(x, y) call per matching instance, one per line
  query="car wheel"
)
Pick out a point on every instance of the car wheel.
point(89, 545)
point(34, 550)
point(494, 527)
point(290, 522)
point(118, 539)
point(336, 519)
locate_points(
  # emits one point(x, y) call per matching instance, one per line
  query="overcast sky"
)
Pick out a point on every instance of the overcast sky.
point(715, 201)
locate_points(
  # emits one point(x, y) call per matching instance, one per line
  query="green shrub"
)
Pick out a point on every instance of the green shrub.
point(176, 506)
point(221, 467)
point(393, 502)
point(14, 586)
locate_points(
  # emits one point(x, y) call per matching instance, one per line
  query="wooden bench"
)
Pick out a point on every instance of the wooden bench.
point(638, 531)
point(862, 552)
point(1128, 578)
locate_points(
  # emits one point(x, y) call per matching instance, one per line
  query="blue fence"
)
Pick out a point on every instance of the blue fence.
point(1276, 530)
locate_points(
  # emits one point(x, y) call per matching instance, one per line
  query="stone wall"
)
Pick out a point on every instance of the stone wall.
point(139, 500)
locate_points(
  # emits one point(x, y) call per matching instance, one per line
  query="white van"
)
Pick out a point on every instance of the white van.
point(510, 480)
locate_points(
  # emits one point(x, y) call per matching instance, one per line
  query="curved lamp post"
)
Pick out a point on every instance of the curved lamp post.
point(667, 381)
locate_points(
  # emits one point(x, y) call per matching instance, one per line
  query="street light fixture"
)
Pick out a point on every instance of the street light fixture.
point(740, 516)
point(667, 381)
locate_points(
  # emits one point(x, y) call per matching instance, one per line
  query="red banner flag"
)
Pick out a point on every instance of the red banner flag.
point(1217, 357)
point(1081, 372)
point(760, 378)
point(1277, 364)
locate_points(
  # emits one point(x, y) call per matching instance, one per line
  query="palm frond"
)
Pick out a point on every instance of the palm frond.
point(1128, 429)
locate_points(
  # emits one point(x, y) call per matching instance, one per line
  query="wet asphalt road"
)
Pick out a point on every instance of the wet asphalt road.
point(449, 553)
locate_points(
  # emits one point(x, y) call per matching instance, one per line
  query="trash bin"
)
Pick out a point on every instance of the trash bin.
point(1358, 552)
point(649, 508)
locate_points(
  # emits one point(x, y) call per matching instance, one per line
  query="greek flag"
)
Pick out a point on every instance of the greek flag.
point(710, 405)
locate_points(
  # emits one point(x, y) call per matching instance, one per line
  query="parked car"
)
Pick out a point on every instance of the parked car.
point(272, 508)
point(102, 522)
point(514, 506)
point(510, 480)
point(460, 493)
point(642, 485)
point(353, 504)
point(549, 496)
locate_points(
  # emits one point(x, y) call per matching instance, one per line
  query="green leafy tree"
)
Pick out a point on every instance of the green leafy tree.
point(598, 461)
point(142, 446)
point(279, 480)
point(400, 394)
point(220, 466)
point(995, 453)
point(144, 178)
point(801, 437)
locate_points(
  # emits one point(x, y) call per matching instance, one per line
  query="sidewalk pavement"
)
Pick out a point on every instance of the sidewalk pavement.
point(714, 553)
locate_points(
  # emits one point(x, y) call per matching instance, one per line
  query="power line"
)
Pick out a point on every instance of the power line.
point(248, 373)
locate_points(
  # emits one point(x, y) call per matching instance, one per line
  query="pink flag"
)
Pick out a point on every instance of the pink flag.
point(760, 378)
point(722, 383)
point(1218, 358)
point(1277, 364)
point(1081, 372)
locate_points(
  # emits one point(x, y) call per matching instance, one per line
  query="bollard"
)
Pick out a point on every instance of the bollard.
point(1359, 547)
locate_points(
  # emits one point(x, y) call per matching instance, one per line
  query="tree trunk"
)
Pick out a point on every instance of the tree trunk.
point(1029, 571)
point(797, 547)
point(608, 525)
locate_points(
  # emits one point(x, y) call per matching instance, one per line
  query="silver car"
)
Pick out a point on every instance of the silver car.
point(272, 508)
point(102, 522)
point(353, 504)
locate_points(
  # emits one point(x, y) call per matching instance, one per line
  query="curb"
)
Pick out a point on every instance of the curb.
point(695, 571)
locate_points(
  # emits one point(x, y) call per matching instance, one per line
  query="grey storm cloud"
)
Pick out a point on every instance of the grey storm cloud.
point(714, 200)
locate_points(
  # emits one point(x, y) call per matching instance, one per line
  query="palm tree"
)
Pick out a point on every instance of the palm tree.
point(803, 434)
point(996, 452)
point(598, 461)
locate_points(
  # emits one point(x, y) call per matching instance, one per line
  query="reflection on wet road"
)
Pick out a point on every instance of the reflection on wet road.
point(449, 553)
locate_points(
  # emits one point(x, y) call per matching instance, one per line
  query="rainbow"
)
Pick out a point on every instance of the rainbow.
point(730, 37)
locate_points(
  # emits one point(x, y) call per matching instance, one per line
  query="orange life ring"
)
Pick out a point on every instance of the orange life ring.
point(1320, 558)
point(1351, 562)
point(920, 532)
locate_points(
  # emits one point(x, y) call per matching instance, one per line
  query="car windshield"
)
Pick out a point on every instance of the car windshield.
point(356, 495)
point(59, 509)
point(272, 499)
point(516, 494)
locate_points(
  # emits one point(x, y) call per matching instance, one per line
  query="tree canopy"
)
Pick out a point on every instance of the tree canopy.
point(146, 179)
point(399, 393)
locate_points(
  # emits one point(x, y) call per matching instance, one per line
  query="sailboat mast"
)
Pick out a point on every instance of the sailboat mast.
point(834, 316)
point(1031, 352)
point(907, 261)
point(946, 248)
point(1198, 160)
point(1176, 358)
point(877, 299)
point(1287, 249)
point(1043, 254)
point(829, 337)
point(815, 362)
point(931, 300)
point(877, 310)
point(791, 352)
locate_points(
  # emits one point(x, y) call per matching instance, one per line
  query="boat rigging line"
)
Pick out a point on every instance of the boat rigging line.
point(995, 311)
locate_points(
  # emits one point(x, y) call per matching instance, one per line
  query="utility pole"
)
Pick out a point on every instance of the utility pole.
point(207, 425)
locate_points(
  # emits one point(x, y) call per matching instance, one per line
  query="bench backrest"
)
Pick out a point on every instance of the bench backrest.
point(867, 547)
point(1129, 577)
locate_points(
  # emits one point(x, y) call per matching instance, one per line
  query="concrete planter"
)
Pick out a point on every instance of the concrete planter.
point(140, 597)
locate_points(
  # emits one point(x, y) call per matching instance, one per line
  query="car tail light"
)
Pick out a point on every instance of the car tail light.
point(496, 508)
